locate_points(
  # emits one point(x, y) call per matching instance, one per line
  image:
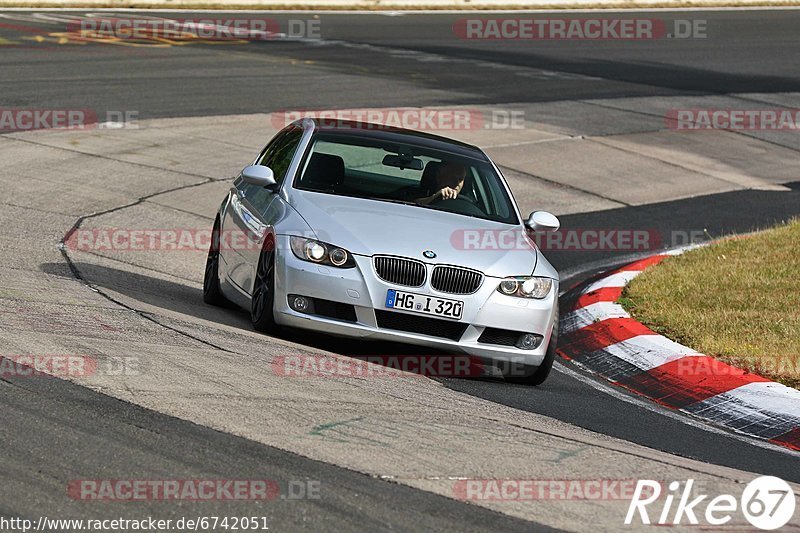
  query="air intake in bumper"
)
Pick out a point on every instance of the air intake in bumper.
point(421, 325)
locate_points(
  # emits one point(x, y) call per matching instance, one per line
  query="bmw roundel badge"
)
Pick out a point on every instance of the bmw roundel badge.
point(430, 254)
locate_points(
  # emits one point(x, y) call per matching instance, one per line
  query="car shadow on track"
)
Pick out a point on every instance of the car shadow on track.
point(151, 291)
point(184, 299)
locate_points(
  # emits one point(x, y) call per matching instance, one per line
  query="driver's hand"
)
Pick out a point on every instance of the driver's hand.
point(448, 193)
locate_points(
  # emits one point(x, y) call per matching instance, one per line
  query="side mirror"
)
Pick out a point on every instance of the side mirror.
point(542, 221)
point(259, 175)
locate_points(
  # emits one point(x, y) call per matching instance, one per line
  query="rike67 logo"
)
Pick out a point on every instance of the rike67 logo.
point(767, 503)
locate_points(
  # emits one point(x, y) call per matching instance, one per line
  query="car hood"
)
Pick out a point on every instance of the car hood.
point(372, 227)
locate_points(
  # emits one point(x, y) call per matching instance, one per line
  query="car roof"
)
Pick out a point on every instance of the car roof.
point(396, 135)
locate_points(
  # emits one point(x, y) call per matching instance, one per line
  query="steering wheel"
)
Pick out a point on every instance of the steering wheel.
point(460, 197)
point(460, 204)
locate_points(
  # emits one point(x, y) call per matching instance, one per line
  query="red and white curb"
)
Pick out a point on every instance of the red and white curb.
point(599, 335)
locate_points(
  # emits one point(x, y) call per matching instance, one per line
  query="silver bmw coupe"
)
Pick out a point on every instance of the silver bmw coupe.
point(366, 231)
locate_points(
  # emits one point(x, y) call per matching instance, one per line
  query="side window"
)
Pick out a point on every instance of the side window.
point(247, 188)
point(278, 156)
point(267, 152)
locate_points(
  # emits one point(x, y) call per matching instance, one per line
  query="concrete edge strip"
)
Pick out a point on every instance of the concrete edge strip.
point(601, 336)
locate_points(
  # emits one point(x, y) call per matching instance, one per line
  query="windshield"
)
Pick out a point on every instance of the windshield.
point(345, 165)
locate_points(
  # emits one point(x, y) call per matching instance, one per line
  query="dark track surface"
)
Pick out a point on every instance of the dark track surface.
point(745, 52)
point(54, 432)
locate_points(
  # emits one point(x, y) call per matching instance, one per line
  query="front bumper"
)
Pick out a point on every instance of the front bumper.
point(361, 288)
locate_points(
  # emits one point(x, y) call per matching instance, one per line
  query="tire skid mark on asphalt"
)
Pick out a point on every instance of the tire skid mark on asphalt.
point(79, 276)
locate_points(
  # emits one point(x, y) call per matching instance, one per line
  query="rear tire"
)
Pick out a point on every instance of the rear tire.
point(262, 303)
point(212, 294)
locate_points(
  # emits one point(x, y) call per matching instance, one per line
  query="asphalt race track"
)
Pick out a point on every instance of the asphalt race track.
point(595, 151)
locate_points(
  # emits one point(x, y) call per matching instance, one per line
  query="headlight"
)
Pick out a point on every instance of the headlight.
point(321, 253)
point(314, 251)
point(526, 286)
point(508, 286)
point(338, 256)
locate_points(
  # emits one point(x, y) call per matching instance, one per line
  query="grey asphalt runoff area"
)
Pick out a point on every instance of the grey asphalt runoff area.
point(206, 402)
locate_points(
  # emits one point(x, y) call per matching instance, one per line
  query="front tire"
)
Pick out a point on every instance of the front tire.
point(212, 294)
point(534, 376)
point(262, 303)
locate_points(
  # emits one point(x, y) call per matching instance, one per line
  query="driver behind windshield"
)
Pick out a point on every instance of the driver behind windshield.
point(449, 182)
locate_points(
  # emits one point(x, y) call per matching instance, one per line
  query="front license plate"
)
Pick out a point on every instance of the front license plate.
point(429, 305)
